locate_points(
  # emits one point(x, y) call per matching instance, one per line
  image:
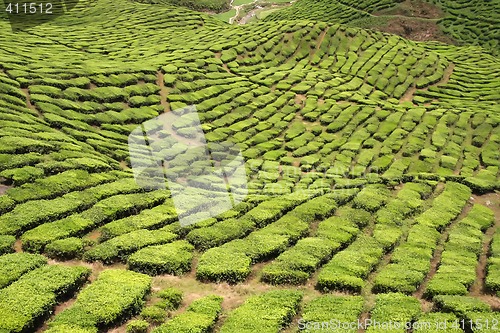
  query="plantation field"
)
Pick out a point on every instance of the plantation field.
point(372, 169)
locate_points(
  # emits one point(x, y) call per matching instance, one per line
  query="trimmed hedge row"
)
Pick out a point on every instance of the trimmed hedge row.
point(158, 216)
point(433, 322)
point(266, 313)
point(446, 206)
point(77, 224)
point(7, 244)
point(231, 261)
point(372, 197)
point(412, 259)
point(296, 265)
point(66, 249)
point(457, 270)
point(33, 213)
point(174, 258)
point(396, 308)
point(115, 295)
point(461, 306)
point(200, 317)
point(348, 268)
point(492, 282)
point(330, 308)
point(35, 294)
point(14, 265)
point(409, 262)
point(120, 247)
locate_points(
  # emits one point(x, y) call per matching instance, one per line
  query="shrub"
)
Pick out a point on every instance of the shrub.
point(115, 295)
point(348, 268)
point(35, 294)
point(174, 258)
point(304, 258)
point(264, 313)
point(77, 224)
point(137, 326)
point(153, 314)
point(200, 317)
point(172, 298)
point(119, 247)
point(460, 305)
point(64, 249)
point(6, 244)
point(221, 264)
point(394, 307)
point(14, 265)
point(220, 233)
point(330, 308)
point(372, 197)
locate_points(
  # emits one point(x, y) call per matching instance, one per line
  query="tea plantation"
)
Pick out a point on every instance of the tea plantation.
point(372, 169)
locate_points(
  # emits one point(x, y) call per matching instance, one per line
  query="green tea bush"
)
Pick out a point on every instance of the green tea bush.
point(7, 244)
point(77, 224)
point(264, 313)
point(396, 308)
point(137, 326)
point(35, 294)
point(371, 197)
point(457, 270)
point(64, 249)
point(220, 233)
point(446, 206)
point(330, 308)
point(153, 314)
point(115, 295)
point(235, 269)
point(158, 216)
point(492, 282)
point(460, 305)
point(120, 247)
point(171, 298)
point(174, 258)
point(14, 265)
point(348, 268)
point(200, 317)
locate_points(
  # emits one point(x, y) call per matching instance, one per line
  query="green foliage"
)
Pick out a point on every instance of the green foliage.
point(64, 249)
point(460, 305)
point(264, 313)
point(174, 258)
point(7, 244)
point(137, 326)
point(120, 247)
point(372, 197)
point(14, 265)
point(115, 295)
point(172, 298)
point(153, 314)
point(394, 307)
point(330, 308)
point(35, 294)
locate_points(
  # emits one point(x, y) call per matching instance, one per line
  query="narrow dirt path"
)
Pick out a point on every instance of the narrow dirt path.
point(163, 91)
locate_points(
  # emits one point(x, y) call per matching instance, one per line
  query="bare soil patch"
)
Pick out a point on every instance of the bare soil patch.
point(413, 8)
point(416, 29)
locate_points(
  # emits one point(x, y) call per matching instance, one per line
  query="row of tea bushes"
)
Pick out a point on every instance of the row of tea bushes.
point(106, 210)
point(115, 295)
point(199, 317)
point(457, 270)
point(35, 294)
point(412, 258)
point(266, 313)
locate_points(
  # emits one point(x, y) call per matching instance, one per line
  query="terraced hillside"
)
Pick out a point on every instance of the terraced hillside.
point(460, 22)
point(372, 166)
